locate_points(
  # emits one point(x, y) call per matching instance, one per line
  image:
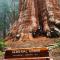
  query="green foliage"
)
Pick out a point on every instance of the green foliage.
point(58, 43)
point(1, 53)
point(55, 45)
point(2, 44)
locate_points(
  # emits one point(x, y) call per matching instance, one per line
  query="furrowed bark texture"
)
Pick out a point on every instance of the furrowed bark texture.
point(34, 13)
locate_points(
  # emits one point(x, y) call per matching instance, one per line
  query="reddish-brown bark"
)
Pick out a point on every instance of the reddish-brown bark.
point(34, 13)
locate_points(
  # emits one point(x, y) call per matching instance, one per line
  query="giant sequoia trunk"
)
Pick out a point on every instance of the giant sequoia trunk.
point(34, 13)
point(49, 10)
point(28, 16)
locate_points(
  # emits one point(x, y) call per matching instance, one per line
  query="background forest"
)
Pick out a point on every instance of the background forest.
point(8, 14)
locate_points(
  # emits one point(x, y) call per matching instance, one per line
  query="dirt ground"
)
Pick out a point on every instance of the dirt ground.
point(31, 42)
point(55, 54)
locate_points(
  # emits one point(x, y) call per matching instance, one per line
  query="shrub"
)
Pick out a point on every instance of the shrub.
point(2, 44)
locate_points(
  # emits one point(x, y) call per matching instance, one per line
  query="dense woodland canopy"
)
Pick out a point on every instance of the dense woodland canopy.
point(8, 14)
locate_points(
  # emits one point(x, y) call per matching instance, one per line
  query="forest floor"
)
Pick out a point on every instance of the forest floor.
point(26, 42)
point(55, 54)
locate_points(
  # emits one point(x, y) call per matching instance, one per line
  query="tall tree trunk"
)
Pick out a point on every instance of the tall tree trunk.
point(29, 12)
